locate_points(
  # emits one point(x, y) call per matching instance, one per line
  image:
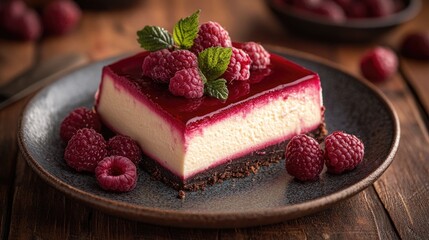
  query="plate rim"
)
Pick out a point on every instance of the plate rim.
point(219, 219)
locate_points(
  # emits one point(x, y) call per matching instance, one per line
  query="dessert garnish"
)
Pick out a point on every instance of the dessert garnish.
point(79, 118)
point(304, 158)
point(198, 59)
point(113, 162)
point(117, 174)
point(85, 149)
point(343, 152)
point(120, 145)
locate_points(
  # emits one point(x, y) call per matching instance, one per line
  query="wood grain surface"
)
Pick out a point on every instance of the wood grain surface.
point(394, 207)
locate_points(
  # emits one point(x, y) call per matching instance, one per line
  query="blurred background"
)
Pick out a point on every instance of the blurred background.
point(102, 29)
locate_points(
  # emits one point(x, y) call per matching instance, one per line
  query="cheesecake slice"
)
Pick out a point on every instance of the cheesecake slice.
point(190, 143)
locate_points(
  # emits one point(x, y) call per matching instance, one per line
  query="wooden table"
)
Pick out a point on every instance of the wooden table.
point(395, 206)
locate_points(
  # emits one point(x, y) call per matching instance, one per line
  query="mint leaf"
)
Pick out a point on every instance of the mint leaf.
point(217, 88)
point(214, 61)
point(186, 30)
point(154, 38)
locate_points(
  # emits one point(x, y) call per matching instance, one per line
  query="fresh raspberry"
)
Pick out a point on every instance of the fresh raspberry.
point(162, 65)
point(181, 59)
point(343, 152)
point(304, 158)
point(85, 149)
point(117, 174)
point(324, 8)
point(416, 45)
point(257, 53)
point(60, 17)
point(378, 64)
point(155, 66)
point(239, 66)
point(330, 10)
point(357, 9)
point(27, 26)
point(380, 8)
point(305, 4)
point(210, 34)
point(187, 83)
point(77, 119)
point(9, 11)
point(343, 3)
point(120, 145)
point(20, 21)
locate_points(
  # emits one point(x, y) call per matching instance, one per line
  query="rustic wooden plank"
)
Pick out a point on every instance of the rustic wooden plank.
point(417, 74)
point(404, 187)
point(8, 129)
point(4, 210)
point(15, 57)
point(343, 221)
point(9, 118)
point(34, 214)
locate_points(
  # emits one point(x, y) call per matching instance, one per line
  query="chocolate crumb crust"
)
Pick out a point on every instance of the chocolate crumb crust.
point(235, 168)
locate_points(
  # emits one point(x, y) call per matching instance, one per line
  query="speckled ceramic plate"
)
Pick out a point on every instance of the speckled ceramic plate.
point(270, 196)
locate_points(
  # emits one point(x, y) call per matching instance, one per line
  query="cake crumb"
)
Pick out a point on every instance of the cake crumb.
point(181, 194)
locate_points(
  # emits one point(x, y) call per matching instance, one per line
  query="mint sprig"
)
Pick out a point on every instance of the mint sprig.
point(153, 38)
point(186, 30)
point(217, 88)
point(213, 62)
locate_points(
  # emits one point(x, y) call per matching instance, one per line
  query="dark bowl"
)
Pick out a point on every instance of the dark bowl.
point(351, 30)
